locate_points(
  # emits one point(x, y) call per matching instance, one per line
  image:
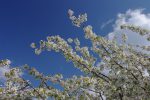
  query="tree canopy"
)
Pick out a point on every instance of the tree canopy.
point(119, 72)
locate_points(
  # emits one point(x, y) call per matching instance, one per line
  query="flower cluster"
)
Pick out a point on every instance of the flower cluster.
point(5, 62)
point(136, 29)
point(77, 21)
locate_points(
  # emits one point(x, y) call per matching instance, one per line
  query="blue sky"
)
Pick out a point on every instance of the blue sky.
point(25, 21)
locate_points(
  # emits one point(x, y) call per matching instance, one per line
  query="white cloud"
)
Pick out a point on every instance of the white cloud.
point(3, 70)
point(106, 23)
point(132, 17)
point(5, 67)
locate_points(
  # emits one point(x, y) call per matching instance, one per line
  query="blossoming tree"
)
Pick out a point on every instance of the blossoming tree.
point(121, 71)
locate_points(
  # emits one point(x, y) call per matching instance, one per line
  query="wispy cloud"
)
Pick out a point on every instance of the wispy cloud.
point(106, 23)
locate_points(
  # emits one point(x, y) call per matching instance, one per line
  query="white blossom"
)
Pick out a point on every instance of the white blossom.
point(111, 71)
